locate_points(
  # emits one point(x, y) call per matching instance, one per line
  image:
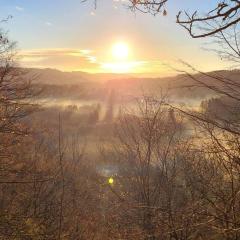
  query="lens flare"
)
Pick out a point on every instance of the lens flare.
point(110, 180)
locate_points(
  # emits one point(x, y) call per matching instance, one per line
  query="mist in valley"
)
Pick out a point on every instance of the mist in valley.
point(98, 141)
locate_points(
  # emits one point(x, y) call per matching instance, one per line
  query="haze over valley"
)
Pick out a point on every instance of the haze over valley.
point(119, 120)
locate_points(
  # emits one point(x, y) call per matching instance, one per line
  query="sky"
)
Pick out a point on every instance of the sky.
point(73, 36)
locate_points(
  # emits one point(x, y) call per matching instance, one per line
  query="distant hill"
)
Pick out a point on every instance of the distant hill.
point(53, 76)
point(98, 85)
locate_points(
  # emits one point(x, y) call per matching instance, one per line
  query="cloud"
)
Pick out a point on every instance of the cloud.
point(85, 60)
point(20, 9)
point(49, 24)
point(63, 59)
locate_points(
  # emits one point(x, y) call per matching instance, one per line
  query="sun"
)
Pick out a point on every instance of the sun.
point(120, 51)
point(121, 59)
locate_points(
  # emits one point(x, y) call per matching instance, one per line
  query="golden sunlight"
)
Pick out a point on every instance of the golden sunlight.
point(121, 60)
point(120, 51)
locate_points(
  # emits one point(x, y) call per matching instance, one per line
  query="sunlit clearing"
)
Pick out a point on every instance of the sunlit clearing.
point(120, 51)
point(110, 180)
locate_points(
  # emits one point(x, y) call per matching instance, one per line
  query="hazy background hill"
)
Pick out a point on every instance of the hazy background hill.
point(53, 76)
point(86, 86)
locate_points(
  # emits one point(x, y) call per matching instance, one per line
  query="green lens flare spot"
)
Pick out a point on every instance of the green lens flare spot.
point(110, 180)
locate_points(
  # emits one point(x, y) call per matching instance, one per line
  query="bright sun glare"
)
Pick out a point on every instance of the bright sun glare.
point(120, 51)
point(120, 59)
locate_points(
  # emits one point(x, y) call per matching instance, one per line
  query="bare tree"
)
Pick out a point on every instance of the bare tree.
point(15, 94)
point(224, 15)
point(149, 192)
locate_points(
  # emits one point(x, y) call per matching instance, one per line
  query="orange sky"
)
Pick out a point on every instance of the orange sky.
point(72, 36)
